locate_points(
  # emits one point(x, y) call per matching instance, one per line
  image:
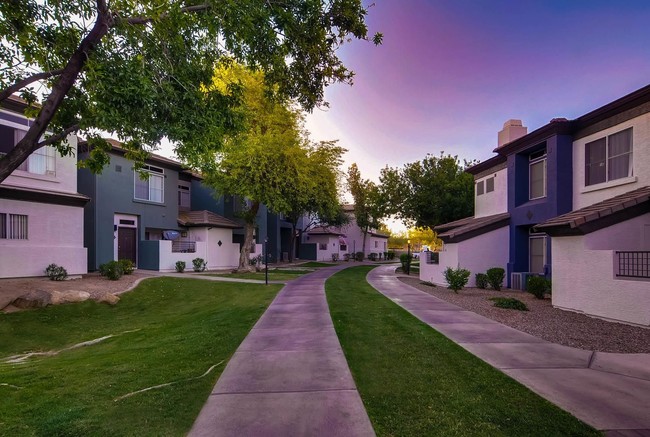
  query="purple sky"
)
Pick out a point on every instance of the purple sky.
point(449, 73)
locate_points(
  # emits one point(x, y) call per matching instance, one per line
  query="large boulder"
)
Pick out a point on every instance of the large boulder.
point(33, 299)
point(109, 298)
point(69, 296)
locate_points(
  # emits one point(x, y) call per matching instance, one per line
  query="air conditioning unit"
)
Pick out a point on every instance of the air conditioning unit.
point(516, 281)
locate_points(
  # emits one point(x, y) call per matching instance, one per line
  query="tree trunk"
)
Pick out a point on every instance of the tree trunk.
point(249, 230)
point(363, 245)
point(60, 89)
point(292, 242)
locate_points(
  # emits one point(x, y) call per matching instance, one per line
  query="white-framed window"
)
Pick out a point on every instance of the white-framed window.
point(152, 188)
point(13, 226)
point(322, 246)
point(537, 175)
point(184, 196)
point(537, 253)
point(609, 158)
point(41, 161)
point(489, 185)
point(480, 188)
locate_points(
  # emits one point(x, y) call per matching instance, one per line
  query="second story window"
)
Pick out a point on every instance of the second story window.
point(489, 185)
point(152, 188)
point(42, 161)
point(537, 175)
point(609, 158)
point(480, 188)
point(184, 197)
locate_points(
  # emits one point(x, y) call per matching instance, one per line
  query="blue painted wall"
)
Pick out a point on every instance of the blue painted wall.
point(525, 213)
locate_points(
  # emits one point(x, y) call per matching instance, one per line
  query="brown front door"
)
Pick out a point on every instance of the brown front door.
point(126, 244)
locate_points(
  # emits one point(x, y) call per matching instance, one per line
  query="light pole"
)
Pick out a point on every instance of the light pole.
point(266, 260)
point(408, 257)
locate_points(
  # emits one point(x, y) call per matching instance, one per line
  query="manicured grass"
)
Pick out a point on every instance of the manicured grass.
point(315, 264)
point(274, 275)
point(416, 382)
point(166, 330)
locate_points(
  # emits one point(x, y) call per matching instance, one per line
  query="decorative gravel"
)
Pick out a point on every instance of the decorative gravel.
point(544, 321)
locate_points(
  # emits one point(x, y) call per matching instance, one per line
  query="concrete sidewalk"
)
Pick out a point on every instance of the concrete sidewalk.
point(289, 377)
point(611, 392)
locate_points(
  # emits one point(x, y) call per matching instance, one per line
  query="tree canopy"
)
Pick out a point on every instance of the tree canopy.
point(138, 69)
point(429, 192)
point(369, 207)
point(270, 161)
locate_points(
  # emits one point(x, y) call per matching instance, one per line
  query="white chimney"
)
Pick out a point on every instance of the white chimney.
point(512, 129)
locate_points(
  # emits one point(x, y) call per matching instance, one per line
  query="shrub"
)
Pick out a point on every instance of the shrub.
point(335, 257)
point(127, 266)
point(359, 256)
point(256, 260)
point(390, 255)
point(180, 266)
point(346, 257)
point(406, 260)
point(481, 280)
point(495, 277)
point(56, 273)
point(112, 270)
point(456, 278)
point(372, 257)
point(538, 286)
point(199, 264)
point(509, 303)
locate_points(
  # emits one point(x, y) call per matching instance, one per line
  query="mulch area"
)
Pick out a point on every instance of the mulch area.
point(544, 321)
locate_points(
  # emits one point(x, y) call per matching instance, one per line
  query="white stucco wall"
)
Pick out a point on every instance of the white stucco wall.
point(494, 202)
point(583, 281)
point(477, 254)
point(354, 237)
point(585, 196)
point(55, 235)
point(332, 242)
point(217, 256)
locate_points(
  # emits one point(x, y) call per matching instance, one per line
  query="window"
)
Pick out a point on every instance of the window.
point(13, 226)
point(344, 247)
point(489, 185)
point(183, 197)
point(151, 189)
point(479, 188)
point(537, 250)
point(376, 244)
point(322, 246)
point(42, 161)
point(537, 175)
point(609, 158)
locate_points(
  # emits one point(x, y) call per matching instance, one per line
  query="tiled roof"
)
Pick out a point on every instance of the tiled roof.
point(321, 230)
point(454, 224)
point(379, 235)
point(205, 218)
point(599, 215)
point(471, 227)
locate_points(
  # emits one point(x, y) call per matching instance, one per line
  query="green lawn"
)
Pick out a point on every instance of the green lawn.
point(416, 382)
point(166, 330)
point(311, 264)
point(274, 275)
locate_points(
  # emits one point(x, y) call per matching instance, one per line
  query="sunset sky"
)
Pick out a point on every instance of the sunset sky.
point(449, 73)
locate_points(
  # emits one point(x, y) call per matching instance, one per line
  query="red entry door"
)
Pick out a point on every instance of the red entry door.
point(126, 243)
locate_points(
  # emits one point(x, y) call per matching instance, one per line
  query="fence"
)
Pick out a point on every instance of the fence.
point(183, 246)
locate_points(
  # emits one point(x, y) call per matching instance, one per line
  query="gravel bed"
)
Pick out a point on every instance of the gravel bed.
point(544, 321)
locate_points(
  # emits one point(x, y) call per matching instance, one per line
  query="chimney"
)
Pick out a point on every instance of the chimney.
point(512, 129)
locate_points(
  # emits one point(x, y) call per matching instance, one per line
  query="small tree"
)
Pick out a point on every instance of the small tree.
point(368, 206)
point(456, 278)
point(495, 277)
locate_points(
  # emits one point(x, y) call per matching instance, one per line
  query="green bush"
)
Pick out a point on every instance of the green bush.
point(390, 255)
point(199, 264)
point(346, 257)
point(359, 256)
point(509, 303)
point(481, 280)
point(180, 266)
point(538, 286)
point(56, 273)
point(456, 278)
point(127, 266)
point(495, 277)
point(372, 257)
point(406, 260)
point(112, 270)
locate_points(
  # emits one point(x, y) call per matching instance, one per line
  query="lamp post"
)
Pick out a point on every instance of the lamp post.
point(266, 260)
point(408, 257)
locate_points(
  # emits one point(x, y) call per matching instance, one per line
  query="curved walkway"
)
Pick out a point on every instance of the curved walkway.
point(289, 377)
point(608, 391)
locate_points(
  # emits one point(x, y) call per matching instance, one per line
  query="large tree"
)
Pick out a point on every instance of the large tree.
point(136, 68)
point(429, 192)
point(369, 208)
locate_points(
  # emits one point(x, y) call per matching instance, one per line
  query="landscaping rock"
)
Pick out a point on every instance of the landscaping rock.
point(68, 296)
point(33, 299)
point(109, 298)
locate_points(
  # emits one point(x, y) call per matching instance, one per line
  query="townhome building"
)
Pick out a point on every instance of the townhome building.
point(41, 212)
point(152, 221)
